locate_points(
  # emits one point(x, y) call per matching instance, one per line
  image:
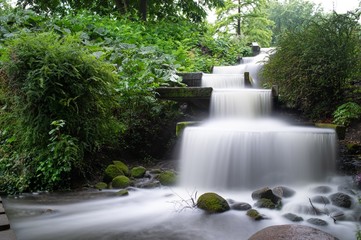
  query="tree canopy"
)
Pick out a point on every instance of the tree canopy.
point(145, 9)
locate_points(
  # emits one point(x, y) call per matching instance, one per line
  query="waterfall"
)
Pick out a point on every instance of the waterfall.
point(240, 147)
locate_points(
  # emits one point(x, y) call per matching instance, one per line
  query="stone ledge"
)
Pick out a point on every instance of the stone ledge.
point(4, 223)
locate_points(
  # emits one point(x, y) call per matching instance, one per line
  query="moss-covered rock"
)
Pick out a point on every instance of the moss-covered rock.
point(111, 172)
point(254, 214)
point(167, 178)
point(101, 185)
point(121, 166)
point(123, 192)
point(138, 172)
point(265, 203)
point(121, 182)
point(212, 203)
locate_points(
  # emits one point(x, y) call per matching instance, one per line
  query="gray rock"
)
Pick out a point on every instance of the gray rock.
point(241, 206)
point(283, 192)
point(267, 194)
point(320, 199)
point(317, 222)
point(293, 217)
point(341, 200)
point(294, 232)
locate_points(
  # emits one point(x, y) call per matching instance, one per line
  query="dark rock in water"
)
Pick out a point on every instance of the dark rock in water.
point(267, 194)
point(254, 214)
point(293, 217)
point(241, 206)
point(283, 192)
point(294, 232)
point(322, 189)
point(320, 199)
point(339, 216)
point(341, 200)
point(265, 203)
point(317, 222)
point(212, 203)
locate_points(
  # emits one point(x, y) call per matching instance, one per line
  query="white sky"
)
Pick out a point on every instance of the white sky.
point(340, 6)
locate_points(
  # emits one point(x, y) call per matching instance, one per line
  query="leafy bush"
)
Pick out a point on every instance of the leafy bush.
point(313, 66)
point(58, 106)
point(346, 113)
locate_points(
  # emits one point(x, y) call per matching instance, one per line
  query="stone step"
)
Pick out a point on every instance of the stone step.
point(4, 223)
point(7, 235)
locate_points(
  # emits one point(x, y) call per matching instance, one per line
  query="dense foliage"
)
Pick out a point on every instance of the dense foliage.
point(85, 83)
point(322, 60)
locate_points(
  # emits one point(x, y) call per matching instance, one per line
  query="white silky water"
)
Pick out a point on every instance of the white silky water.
point(238, 150)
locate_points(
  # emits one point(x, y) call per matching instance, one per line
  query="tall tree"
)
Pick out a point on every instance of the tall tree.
point(289, 15)
point(245, 18)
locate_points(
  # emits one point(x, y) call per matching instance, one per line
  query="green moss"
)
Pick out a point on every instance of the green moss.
point(182, 125)
point(123, 192)
point(138, 172)
point(101, 185)
point(265, 203)
point(212, 203)
point(254, 214)
point(121, 182)
point(111, 172)
point(121, 166)
point(340, 130)
point(167, 178)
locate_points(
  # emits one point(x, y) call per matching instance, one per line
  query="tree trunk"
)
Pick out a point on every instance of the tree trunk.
point(121, 5)
point(143, 9)
point(239, 19)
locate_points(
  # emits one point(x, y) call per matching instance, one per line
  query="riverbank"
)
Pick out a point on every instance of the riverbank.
point(5, 232)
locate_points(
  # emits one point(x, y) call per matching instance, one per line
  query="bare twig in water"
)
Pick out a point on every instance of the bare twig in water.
point(190, 203)
point(325, 212)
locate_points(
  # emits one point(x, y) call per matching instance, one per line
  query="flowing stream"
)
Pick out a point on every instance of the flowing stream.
point(238, 150)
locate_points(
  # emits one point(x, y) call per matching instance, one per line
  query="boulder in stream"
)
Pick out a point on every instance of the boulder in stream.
point(212, 203)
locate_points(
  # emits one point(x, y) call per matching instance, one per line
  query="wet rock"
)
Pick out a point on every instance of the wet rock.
point(293, 217)
point(267, 194)
point(123, 192)
point(241, 206)
point(317, 222)
point(138, 172)
point(265, 203)
point(120, 182)
point(111, 172)
point(346, 189)
point(254, 214)
point(283, 192)
point(339, 216)
point(167, 178)
point(320, 199)
point(294, 232)
point(212, 203)
point(341, 200)
point(322, 189)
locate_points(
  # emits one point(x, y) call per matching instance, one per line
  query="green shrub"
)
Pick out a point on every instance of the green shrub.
point(346, 113)
point(58, 101)
point(313, 66)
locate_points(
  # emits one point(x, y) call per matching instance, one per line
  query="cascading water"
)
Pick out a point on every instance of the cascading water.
point(236, 149)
